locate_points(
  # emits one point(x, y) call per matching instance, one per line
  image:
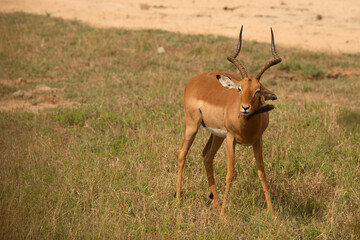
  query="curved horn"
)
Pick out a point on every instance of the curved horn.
point(232, 58)
point(272, 62)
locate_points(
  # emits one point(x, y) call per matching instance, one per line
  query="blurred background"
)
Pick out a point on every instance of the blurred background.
point(328, 25)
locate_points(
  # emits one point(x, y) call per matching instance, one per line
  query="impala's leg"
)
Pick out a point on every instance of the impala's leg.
point(208, 155)
point(257, 147)
point(190, 133)
point(230, 149)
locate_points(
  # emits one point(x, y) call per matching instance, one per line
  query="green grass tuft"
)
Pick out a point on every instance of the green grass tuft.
point(312, 70)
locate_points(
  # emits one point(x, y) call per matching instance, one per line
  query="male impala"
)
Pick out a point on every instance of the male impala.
point(229, 108)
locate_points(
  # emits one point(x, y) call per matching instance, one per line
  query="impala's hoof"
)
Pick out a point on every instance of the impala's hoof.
point(211, 196)
point(175, 195)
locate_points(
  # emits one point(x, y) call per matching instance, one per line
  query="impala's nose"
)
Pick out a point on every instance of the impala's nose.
point(245, 108)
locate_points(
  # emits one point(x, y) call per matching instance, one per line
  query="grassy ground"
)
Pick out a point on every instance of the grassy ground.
point(107, 168)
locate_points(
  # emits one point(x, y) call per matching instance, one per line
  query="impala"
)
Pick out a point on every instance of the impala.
point(231, 108)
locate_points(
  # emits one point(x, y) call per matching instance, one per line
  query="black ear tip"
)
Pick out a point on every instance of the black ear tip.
point(218, 76)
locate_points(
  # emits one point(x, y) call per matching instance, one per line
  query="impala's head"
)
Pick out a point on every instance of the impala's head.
point(249, 92)
point(250, 89)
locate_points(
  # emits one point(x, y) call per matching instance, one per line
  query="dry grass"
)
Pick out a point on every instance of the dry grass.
point(107, 168)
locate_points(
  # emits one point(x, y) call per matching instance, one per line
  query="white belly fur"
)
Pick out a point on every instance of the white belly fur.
point(217, 132)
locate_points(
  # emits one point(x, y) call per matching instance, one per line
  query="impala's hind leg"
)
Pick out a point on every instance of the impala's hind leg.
point(208, 155)
point(191, 128)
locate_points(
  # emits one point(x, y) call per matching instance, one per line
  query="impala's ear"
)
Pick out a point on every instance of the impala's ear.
point(226, 82)
point(268, 95)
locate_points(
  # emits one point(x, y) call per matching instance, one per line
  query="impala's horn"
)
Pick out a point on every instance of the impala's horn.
point(272, 62)
point(232, 58)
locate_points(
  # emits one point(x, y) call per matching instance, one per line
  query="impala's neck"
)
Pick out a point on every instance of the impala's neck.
point(246, 128)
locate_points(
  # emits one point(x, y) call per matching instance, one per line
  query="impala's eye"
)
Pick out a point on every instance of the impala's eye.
point(257, 91)
point(240, 89)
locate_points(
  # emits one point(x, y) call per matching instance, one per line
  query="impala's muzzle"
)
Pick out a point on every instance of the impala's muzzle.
point(245, 110)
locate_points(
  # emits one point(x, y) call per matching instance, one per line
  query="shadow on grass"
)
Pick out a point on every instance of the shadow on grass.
point(304, 198)
point(349, 119)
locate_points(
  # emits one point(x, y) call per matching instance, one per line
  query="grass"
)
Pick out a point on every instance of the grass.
point(107, 168)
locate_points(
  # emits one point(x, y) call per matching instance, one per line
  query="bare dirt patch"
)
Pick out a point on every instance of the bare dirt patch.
point(27, 106)
point(33, 99)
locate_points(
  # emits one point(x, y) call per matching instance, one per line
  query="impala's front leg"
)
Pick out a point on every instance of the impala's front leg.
point(230, 149)
point(257, 147)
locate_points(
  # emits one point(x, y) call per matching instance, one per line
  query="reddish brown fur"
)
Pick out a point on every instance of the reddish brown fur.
point(204, 92)
point(207, 100)
point(222, 103)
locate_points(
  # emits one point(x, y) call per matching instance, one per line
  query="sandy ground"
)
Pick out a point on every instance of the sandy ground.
point(325, 25)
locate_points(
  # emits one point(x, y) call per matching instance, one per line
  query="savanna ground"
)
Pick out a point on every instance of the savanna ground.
point(104, 163)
